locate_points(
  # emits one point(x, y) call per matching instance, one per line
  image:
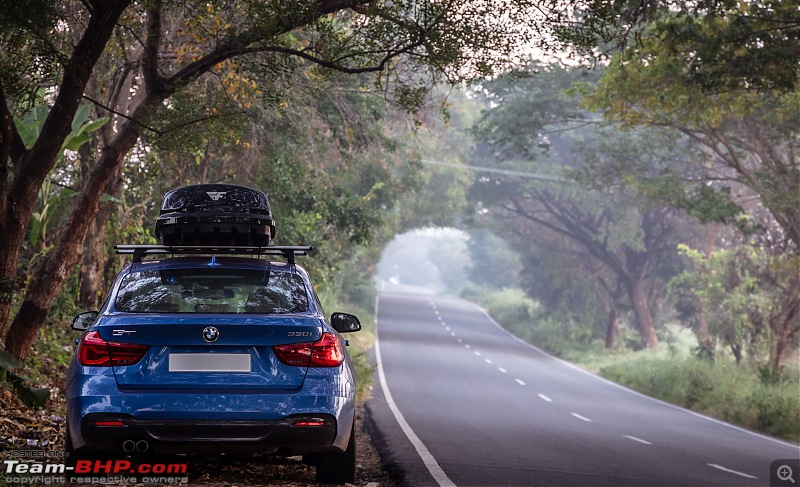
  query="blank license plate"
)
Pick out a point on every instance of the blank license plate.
point(209, 362)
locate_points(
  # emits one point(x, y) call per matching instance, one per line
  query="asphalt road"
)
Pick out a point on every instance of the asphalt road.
point(460, 401)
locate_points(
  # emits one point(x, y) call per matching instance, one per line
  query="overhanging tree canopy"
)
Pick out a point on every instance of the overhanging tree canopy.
point(155, 49)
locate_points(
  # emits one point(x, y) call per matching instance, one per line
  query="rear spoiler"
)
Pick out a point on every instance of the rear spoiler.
point(141, 250)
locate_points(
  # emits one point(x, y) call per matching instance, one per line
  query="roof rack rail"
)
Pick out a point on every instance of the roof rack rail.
point(141, 250)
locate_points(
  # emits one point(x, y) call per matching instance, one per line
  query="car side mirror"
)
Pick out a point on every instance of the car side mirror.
point(345, 323)
point(83, 321)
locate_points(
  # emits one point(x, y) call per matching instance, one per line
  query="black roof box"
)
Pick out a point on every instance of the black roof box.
point(215, 214)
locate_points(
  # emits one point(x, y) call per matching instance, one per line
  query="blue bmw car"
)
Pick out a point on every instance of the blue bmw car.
point(214, 354)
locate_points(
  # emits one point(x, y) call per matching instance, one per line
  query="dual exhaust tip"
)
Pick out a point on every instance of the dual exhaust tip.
point(141, 446)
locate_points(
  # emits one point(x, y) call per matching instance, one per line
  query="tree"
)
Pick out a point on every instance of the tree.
point(741, 294)
point(720, 42)
point(743, 126)
point(616, 239)
point(494, 263)
point(607, 229)
point(165, 47)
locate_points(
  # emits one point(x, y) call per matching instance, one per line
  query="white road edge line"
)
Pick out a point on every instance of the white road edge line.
point(544, 398)
point(741, 474)
point(519, 381)
point(430, 462)
point(645, 442)
point(631, 391)
point(582, 418)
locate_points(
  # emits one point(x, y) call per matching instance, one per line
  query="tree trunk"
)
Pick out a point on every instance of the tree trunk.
point(612, 327)
point(53, 270)
point(93, 245)
point(32, 166)
point(704, 338)
point(94, 250)
point(638, 297)
point(9, 284)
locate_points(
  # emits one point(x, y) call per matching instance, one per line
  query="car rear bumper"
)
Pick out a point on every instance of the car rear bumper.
point(166, 418)
point(124, 434)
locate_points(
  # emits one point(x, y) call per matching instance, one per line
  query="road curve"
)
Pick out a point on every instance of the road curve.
point(460, 401)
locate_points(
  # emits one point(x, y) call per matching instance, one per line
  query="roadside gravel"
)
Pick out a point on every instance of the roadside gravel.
point(22, 428)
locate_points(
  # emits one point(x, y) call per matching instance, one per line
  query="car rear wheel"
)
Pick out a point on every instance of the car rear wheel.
point(338, 468)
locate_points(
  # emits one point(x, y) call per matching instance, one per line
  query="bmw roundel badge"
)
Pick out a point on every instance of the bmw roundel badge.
point(210, 334)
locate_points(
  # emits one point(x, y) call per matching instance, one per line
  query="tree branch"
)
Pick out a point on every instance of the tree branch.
point(11, 144)
point(152, 41)
point(127, 117)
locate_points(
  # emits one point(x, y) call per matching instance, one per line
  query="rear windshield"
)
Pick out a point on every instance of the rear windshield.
point(212, 291)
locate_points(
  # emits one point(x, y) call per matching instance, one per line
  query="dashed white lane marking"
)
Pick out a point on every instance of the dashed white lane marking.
point(741, 474)
point(520, 382)
point(544, 398)
point(793, 447)
point(460, 340)
point(430, 462)
point(446, 327)
point(452, 334)
point(645, 442)
point(477, 353)
point(502, 370)
point(467, 346)
point(488, 361)
point(582, 418)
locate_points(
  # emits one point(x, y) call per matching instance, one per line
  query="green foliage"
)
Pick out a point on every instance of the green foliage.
point(52, 198)
point(587, 247)
point(720, 42)
point(741, 138)
point(494, 263)
point(30, 127)
point(508, 306)
point(525, 108)
point(729, 38)
point(27, 56)
point(517, 312)
point(747, 297)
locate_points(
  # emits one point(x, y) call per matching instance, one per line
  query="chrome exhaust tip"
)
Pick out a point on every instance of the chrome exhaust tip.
point(128, 446)
point(142, 446)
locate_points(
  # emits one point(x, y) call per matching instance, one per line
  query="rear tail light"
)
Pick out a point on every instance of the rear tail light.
point(110, 424)
point(309, 424)
point(94, 351)
point(327, 352)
